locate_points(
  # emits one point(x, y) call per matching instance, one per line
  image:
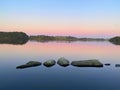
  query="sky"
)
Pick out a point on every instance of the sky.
point(83, 18)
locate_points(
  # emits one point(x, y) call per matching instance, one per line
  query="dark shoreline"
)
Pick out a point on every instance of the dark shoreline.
point(45, 38)
point(13, 38)
point(22, 38)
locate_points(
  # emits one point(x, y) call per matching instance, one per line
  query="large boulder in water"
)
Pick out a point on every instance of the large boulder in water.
point(63, 62)
point(29, 64)
point(49, 63)
point(87, 63)
point(115, 40)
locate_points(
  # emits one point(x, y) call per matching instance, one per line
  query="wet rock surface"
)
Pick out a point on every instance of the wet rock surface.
point(29, 64)
point(49, 63)
point(63, 62)
point(87, 63)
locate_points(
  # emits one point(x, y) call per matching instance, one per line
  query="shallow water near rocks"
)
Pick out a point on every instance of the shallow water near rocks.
point(57, 77)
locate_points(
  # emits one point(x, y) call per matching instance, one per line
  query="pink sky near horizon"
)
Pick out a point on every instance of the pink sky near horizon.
point(96, 28)
point(79, 33)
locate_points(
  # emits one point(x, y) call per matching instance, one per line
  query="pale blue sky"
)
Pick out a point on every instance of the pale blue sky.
point(53, 14)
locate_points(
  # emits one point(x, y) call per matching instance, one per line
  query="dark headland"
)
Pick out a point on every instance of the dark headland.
point(115, 40)
point(13, 37)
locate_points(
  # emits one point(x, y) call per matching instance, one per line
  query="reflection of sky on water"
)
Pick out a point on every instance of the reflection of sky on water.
point(72, 51)
point(57, 77)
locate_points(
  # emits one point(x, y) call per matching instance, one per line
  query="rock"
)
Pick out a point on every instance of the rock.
point(49, 63)
point(107, 64)
point(63, 62)
point(29, 64)
point(117, 65)
point(87, 63)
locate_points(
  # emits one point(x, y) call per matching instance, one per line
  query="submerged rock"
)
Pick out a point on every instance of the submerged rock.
point(63, 62)
point(117, 65)
point(87, 63)
point(29, 64)
point(49, 63)
point(107, 64)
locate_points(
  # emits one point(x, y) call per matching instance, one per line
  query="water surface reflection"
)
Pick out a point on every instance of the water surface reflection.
point(56, 77)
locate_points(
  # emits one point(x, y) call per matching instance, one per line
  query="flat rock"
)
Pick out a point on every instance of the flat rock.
point(29, 64)
point(87, 63)
point(63, 62)
point(49, 63)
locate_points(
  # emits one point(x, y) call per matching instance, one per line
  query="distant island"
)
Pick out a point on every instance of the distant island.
point(45, 38)
point(22, 38)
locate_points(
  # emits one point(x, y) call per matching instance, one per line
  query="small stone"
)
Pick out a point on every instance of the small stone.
point(63, 62)
point(49, 63)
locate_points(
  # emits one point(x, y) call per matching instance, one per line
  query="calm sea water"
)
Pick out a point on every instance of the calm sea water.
point(57, 77)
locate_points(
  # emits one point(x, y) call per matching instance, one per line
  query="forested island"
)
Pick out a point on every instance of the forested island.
point(45, 38)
